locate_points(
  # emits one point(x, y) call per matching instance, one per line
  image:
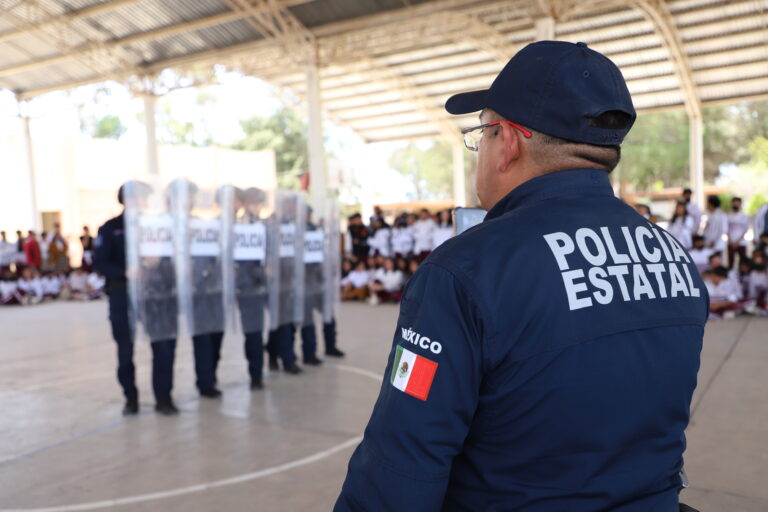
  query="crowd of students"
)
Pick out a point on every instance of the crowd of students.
point(35, 269)
point(380, 258)
point(735, 277)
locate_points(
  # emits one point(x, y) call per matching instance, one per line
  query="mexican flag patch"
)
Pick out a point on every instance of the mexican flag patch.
point(412, 373)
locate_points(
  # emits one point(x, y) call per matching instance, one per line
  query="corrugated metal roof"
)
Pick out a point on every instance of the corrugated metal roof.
point(387, 66)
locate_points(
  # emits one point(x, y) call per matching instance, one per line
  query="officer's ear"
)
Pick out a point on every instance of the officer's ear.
point(512, 145)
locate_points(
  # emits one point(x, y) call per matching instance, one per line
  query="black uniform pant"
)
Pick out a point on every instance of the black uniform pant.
point(163, 355)
point(121, 332)
point(254, 353)
point(309, 338)
point(207, 351)
point(163, 352)
point(280, 344)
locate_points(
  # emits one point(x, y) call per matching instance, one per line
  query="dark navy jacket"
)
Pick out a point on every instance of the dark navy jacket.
point(566, 330)
point(109, 254)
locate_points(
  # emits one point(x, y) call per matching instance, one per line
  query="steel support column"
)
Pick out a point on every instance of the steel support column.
point(317, 164)
point(696, 157)
point(151, 131)
point(545, 29)
point(459, 181)
point(30, 161)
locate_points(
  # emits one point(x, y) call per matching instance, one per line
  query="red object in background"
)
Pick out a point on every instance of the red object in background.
point(32, 252)
point(304, 181)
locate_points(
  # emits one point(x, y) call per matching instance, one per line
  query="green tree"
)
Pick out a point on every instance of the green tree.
point(430, 169)
point(284, 132)
point(194, 132)
point(656, 149)
point(107, 127)
point(750, 180)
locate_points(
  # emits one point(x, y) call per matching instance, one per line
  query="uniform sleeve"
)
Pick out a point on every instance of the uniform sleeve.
point(102, 261)
point(421, 417)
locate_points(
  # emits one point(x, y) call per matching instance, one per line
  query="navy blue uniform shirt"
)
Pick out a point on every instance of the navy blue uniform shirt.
point(109, 254)
point(543, 361)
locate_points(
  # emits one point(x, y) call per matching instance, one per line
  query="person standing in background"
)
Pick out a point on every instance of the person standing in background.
point(738, 225)
point(380, 241)
point(86, 240)
point(32, 251)
point(716, 226)
point(681, 225)
point(693, 210)
point(44, 242)
point(358, 237)
point(58, 250)
point(443, 229)
point(6, 254)
point(402, 237)
point(761, 222)
point(423, 231)
point(110, 261)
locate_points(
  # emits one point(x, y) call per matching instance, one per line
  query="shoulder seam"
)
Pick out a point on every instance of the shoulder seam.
point(474, 294)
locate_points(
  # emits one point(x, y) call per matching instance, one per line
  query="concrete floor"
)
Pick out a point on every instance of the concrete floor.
point(64, 443)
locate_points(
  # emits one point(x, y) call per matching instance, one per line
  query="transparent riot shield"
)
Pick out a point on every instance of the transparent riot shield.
point(201, 216)
point(331, 261)
point(254, 267)
point(314, 260)
point(150, 261)
point(289, 229)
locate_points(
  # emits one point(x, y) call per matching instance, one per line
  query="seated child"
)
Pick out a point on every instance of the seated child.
point(355, 285)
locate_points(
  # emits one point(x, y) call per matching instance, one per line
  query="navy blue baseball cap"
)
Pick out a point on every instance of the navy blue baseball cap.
point(556, 88)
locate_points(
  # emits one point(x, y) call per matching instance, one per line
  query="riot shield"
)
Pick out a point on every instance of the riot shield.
point(150, 255)
point(289, 226)
point(331, 261)
point(254, 273)
point(201, 216)
point(314, 272)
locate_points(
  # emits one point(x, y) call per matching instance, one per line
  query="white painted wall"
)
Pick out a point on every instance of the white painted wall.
point(79, 177)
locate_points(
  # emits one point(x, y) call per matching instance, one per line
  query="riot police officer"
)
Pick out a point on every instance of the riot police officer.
point(546, 358)
point(316, 281)
point(251, 288)
point(110, 261)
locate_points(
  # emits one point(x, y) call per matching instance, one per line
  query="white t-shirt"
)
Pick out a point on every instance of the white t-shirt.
point(7, 289)
point(33, 287)
point(402, 240)
point(422, 235)
point(682, 229)
point(738, 225)
point(695, 212)
point(760, 221)
point(716, 227)
point(380, 242)
point(96, 282)
point(51, 285)
point(441, 234)
point(728, 290)
point(357, 278)
point(758, 283)
point(700, 257)
point(392, 280)
point(78, 282)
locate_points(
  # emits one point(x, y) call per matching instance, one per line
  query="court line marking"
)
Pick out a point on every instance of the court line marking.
point(246, 477)
point(181, 491)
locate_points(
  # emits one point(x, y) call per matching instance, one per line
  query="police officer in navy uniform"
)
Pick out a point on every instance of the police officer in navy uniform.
point(110, 261)
point(545, 359)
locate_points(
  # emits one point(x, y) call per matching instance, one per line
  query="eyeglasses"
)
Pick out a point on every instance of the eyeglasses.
point(473, 135)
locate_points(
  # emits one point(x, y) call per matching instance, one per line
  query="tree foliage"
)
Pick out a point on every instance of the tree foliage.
point(284, 132)
point(430, 168)
point(107, 127)
point(194, 132)
point(656, 149)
